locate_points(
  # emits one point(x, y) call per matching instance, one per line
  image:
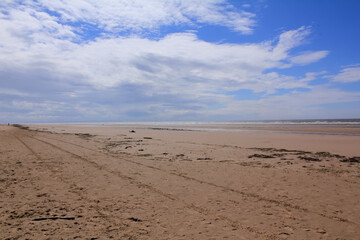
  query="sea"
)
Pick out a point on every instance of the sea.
point(252, 122)
point(241, 126)
point(266, 126)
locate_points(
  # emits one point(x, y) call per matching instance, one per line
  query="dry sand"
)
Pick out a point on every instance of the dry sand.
point(105, 182)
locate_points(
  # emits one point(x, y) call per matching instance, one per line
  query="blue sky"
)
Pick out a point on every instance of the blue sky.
point(178, 60)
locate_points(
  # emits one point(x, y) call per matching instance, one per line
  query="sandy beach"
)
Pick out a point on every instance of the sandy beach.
point(84, 181)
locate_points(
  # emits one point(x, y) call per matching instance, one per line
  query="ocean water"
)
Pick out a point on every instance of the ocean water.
point(240, 126)
point(250, 122)
point(352, 126)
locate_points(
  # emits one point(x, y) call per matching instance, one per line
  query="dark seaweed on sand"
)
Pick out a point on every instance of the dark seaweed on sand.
point(310, 159)
point(21, 126)
point(351, 160)
point(260, 156)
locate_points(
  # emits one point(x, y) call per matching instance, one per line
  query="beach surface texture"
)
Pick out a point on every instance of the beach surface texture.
point(138, 181)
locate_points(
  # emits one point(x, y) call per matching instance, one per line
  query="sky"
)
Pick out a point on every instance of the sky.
point(178, 60)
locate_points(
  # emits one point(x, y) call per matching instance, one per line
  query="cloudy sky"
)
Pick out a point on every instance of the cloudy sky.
point(178, 60)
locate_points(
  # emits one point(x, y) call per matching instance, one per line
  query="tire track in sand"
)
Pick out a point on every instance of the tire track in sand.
point(243, 193)
point(81, 193)
point(140, 184)
point(171, 197)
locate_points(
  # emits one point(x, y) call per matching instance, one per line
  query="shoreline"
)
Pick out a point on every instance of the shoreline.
point(337, 129)
point(337, 140)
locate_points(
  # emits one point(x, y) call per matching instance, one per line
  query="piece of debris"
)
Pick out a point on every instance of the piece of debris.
point(134, 219)
point(321, 231)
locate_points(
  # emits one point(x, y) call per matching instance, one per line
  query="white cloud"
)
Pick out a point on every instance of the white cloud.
point(289, 40)
point(167, 64)
point(140, 15)
point(13, 92)
point(32, 26)
point(294, 105)
point(178, 74)
point(135, 77)
point(351, 74)
point(310, 76)
point(308, 57)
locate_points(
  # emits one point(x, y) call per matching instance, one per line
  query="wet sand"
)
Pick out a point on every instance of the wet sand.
point(103, 182)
